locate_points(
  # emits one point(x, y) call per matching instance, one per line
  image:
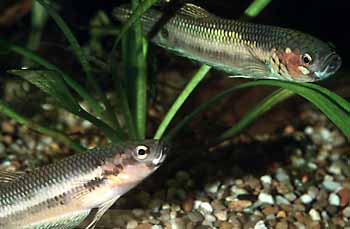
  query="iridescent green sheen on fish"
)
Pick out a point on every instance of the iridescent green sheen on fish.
point(76, 191)
point(240, 48)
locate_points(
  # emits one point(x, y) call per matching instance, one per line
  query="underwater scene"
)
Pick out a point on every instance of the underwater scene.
point(174, 114)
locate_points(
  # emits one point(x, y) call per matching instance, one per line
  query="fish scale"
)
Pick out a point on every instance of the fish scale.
point(63, 194)
point(241, 48)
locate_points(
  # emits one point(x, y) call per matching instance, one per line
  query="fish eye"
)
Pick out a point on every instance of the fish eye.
point(142, 152)
point(307, 59)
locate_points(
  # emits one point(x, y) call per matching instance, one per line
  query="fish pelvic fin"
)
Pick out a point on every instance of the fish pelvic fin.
point(95, 215)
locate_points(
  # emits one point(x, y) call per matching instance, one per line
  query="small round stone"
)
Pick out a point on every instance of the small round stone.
point(334, 199)
point(266, 198)
point(315, 215)
point(306, 199)
point(260, 225)
point(131, 224)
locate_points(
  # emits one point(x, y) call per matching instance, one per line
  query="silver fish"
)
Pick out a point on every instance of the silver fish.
point(76, 191)
point(240, 48)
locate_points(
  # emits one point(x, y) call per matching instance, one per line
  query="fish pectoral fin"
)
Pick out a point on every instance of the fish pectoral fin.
point(194, 11)
point(95, 215)
point(9, 176)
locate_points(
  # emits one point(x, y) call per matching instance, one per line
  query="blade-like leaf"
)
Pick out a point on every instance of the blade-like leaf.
point(51, 83)
point(83, 59)
point(331, 109)
point(261, 108)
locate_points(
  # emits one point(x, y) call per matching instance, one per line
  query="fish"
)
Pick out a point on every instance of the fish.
point(243, 49)
point(76, 191)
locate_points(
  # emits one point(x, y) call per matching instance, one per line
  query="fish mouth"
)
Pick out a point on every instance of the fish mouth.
point(162, 153)
point(331, 64)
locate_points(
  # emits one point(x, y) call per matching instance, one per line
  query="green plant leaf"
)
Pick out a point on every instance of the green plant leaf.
point(197, 78)
point(261, 108)
point(51, 83)
point(107, 114)
point(313, 94)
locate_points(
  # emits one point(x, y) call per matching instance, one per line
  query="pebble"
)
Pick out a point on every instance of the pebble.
point(282, 176)
point(210, 218)
point(221, 215)
point(212, 188)
point(306, 199)
point(346, 212)
point(344, 195)
point(315, 215)
point(281, 200)
point(131, 224)
point(334, 199)
point(239, 205)
point(260, 225)
point(266, 180)
point(331, 185)
point(266, 198)
point(195, 216)
point(205, 208)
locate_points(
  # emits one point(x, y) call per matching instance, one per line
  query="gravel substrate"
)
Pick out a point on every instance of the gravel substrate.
point(297, 179)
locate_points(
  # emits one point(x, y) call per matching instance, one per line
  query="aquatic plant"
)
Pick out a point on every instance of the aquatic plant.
point(131, 88)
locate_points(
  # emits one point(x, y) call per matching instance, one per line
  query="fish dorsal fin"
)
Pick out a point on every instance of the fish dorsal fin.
point(9, 176)
point(194, 11)
point(95, 215)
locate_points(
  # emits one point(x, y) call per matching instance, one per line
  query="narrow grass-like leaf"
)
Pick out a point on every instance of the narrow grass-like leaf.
point(136, 15)
point(256, 7)
point(51, 83)
point(83, 59)
point(335, 113)
point(93, 104)
point(197, 78)
point(264, 106)
point(59, 136)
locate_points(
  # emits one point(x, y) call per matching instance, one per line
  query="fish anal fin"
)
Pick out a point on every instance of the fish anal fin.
point(95, 215)
point(193, 11)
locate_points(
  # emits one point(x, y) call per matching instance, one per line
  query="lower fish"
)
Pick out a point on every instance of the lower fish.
point(75, 192)
point(241, 48)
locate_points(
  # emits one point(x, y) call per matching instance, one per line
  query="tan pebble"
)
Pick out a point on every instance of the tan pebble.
point(144, 226)
point(344, 195)
point(238, 205)
point(270, 210)
point(281, 214)
point(187, 205)
point(282, 225)
point(7, 139)
point(226, 225)
point(7, 127)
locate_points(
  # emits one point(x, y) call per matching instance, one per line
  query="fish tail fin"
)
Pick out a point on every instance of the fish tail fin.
point(148, 19)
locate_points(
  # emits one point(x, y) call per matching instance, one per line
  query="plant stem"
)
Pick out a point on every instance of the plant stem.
point(6, 110)
point(197, 78)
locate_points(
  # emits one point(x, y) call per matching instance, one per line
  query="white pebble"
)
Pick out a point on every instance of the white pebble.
point(132, 224)
point(221, 215)
point(331, 185)
point(266, 180)
point(260, 225)
point(265, 198)
point(346, 212)
point(309, 130)
point(281, 200)
point(282, 176)
point(205, 208)
point(306, 199)
point(334, 199)
point(212, 188)
point(156, 227)
point(315, 215)
point(210, 218)
point(290, 196)
point(335, 169)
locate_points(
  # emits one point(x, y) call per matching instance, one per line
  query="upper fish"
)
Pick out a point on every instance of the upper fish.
point(75, 192)
point(241, 48)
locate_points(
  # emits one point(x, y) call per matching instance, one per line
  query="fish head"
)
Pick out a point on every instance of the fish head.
point(132, 162)
point(307, 59)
